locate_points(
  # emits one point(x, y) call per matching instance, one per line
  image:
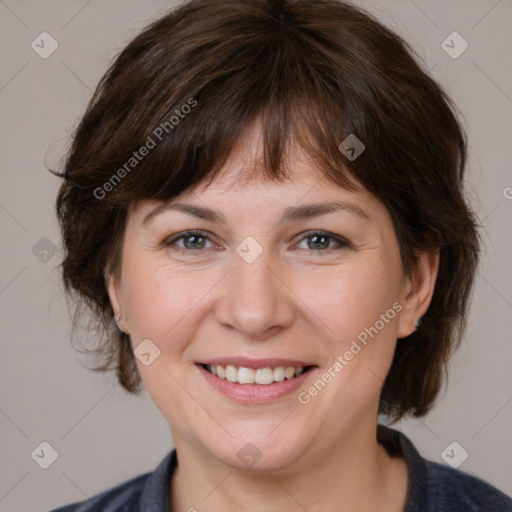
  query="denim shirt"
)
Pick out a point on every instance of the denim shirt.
point(433, 487)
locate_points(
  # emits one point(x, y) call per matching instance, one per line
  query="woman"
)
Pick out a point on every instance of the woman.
point(266, 198)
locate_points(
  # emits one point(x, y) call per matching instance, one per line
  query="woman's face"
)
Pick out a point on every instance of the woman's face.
point(274, 280)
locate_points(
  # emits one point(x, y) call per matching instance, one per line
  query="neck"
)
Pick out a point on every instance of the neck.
point(358, 475)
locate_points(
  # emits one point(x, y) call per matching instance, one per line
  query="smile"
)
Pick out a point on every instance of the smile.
point(263, 376)
point(255, 381)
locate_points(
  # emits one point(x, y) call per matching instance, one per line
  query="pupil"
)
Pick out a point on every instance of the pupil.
point(194, 244)
point(324, 245)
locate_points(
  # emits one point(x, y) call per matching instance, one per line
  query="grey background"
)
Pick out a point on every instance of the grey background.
point(104, 436)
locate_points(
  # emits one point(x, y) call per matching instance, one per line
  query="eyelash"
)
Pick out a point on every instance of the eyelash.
point(342, 243)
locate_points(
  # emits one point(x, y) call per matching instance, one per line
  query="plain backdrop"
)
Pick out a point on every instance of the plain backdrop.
point(101, 434)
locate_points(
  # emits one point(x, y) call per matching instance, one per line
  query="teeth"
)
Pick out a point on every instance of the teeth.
point(246, 375)
point(263, 376)
point(279, 373)
point(231, 373)
point(289, 372)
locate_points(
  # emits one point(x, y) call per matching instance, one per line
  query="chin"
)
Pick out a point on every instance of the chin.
point(259, 453)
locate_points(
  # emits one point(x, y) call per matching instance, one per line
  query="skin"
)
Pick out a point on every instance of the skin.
point(294, 301)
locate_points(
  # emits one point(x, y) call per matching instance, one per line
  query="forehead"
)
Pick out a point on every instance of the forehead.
point(245, 168)
point(304, 195)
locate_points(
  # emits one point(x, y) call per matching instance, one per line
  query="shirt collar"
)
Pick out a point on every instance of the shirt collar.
point(155, 496)
point(397, 444)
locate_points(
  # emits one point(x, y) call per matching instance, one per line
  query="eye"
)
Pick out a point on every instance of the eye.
point(318, 241)
point(192, 240)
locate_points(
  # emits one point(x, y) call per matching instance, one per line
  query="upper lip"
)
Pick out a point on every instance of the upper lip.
point(246, 362)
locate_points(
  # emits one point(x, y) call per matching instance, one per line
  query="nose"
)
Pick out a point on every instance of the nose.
point(255, 300)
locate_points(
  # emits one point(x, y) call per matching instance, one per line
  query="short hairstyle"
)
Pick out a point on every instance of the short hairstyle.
point(311, 73)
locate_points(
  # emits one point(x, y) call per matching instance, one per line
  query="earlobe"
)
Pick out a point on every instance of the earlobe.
point(418, 293)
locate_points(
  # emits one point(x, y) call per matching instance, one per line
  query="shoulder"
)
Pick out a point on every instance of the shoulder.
point(457, 491)
point(435, 487)
point(141, 493)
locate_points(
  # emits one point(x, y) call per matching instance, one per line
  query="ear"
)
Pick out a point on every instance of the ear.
point(113, 286)
point(417, 292)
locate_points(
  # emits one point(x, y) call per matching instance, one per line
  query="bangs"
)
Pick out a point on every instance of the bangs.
point(190, 130)
point(200, 146)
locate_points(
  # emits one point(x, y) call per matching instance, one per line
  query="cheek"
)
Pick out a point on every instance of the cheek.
point(160, 304)
point(157, 300)
point(359, 307)
point(361, 310)
point(353, 299)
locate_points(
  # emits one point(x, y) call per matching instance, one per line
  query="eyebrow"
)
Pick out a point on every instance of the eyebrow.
point(293, 213)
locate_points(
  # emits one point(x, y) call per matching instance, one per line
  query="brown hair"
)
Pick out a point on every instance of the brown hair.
point(314, 71)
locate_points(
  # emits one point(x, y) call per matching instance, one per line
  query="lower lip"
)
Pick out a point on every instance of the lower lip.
point(254, 393)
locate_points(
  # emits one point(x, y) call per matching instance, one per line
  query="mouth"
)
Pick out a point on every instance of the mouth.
point(255, 382)
point(264, 376)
